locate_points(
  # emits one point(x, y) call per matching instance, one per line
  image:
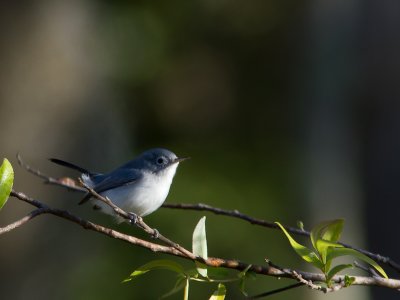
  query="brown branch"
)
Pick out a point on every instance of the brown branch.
point(236, 214)
point(69, 184)
point(94, 227)
point(317, 287)
point(137, 220)
point(173, 248)
point(211, 261)
point(22, 221)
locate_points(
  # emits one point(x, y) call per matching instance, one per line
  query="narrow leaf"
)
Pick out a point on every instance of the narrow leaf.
point(347, 251)
point(243, 276)
point(323, 247)
point(305, 253)
point(242, 286)
point(199, 245)
point(179, 285)
point(220, 293)
point(244, 272)
point(333, 231)
point(156, 264)
point(328, 230)
point(6, 181)
point(186, 290)
point(336, 270)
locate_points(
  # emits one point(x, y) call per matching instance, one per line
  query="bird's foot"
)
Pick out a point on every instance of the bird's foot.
point(133, 218)
point(156, 234)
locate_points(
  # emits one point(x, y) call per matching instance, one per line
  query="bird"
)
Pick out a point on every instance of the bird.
point(139, 186)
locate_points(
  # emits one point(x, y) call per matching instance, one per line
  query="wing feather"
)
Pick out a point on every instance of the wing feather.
point(118, 178)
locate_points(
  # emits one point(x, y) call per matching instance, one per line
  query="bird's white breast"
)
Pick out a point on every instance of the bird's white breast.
point(144, 196)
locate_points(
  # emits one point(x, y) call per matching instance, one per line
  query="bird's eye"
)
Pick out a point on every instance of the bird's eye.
point(160, 160)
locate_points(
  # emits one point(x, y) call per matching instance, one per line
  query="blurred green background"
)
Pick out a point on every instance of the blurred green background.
point(289, 110)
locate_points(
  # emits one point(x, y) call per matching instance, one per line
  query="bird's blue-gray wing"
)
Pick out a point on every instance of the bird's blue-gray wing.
point(118, 178)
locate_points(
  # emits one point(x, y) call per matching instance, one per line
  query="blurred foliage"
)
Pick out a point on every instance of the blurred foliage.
point(206, 79)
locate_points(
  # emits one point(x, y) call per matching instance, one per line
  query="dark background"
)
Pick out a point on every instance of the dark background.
point(289, 110)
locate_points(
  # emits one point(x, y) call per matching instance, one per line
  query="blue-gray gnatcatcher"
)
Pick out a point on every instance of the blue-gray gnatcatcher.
point(140, 186)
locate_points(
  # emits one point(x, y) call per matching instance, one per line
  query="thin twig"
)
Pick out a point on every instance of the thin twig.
point(273, 292)
point(137, 221)
point(268, 270)
point(22, 221)
point(204, 207)
point(236, 214)
point(66, 182)
point(308, 283)
point(369, 270)
point(299, 277)
point(94, 227)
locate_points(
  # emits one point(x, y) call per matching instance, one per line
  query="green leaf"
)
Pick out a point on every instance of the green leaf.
point(333, 231)
point(244, 272)
point(243, 280)
point(336, 270)
point(243, 276)
point(348, 281)
point(328, 230)
point(305, 253)
point(242, 286)
point(347, 251)
point(199, 245)
point(324, 236)
point(156, 264)
point(323, 249)
point(186, 290)
point(6, 181)
point(220, 293)
point(179, 285)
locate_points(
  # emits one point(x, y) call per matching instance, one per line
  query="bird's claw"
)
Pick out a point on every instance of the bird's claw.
point(133, 218)
point(156, 234)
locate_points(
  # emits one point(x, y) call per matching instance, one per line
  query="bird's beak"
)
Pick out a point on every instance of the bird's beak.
point(179, 159)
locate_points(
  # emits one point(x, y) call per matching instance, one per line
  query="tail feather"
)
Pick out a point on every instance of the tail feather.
point(69, 165)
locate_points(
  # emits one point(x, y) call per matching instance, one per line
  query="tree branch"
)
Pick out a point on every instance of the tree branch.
point(23, 220)
point(268, 270)
point(93, 226)
point(137, 220)
point(65, 182)
point(70, 184)
point(304, 278)
point(236, 214)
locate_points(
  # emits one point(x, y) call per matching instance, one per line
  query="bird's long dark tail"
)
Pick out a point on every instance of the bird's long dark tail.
point(69, 165)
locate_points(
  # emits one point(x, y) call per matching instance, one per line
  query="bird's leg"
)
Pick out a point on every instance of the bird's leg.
point(134, 219)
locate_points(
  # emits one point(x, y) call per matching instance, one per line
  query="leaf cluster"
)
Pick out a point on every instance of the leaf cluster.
point(324, 239)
